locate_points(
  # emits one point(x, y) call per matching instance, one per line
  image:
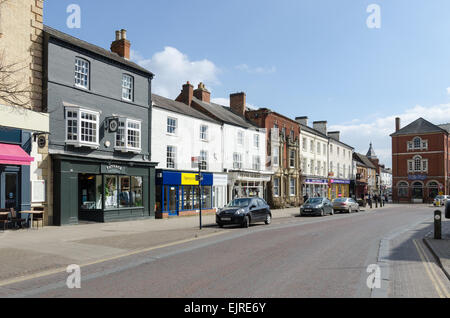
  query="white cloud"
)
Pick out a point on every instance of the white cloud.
point(377, 131)
point(256, 70)
point(448, 90)
point(172, 69)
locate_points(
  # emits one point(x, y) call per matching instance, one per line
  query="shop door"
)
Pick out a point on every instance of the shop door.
point(11, 191)
point(173, 201)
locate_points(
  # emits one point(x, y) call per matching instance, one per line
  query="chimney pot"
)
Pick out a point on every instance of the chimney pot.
point(121, 46)
point(397, 124)
point(202, 93)
point(237, 103)
point(186, 94)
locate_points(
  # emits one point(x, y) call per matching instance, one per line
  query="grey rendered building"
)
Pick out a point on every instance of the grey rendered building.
point(100, 116)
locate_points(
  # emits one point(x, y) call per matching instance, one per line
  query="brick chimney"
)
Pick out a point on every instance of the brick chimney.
point(302, 120)
point(186, 94)
point(397, 124)
point(202, 93)
point(237, 103)
point(121, 45)
point(321, 126)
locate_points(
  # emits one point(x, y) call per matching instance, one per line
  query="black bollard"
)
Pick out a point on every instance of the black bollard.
point(437, 225)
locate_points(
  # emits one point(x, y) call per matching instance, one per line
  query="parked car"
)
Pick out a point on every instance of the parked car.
point(317, 206)
point(244, 211)
point(440, 200)
point(345, 205)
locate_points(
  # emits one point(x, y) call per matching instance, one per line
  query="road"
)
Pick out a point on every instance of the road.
point(292, 257)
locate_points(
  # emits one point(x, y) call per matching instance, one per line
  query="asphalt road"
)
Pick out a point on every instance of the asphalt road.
point(292, 257)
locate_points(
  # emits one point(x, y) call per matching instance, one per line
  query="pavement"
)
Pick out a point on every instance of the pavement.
point(30, 252)
point(441, 248)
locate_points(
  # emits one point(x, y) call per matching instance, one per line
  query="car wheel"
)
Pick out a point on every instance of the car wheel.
point(322, 213)
point(246, 223)
point(268, 219)
point(349, 210)
point(332, 212)
point(220, 225)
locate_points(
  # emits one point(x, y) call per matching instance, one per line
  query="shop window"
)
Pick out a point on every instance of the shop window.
point(82, 127)
point(111, 193)
point(206, 197)
point(130, 192)
point(188, 199)
point(403, 189)
point(90, 191)
point(196, 198)
point(136, 192)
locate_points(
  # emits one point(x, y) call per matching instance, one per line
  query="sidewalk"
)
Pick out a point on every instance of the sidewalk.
point(441, 248)
point(26, 252)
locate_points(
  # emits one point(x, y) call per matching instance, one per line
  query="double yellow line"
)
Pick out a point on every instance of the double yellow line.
point(434, 277)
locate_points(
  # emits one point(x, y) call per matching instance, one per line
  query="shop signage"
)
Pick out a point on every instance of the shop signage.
point(113, 169)
point(220, 179)
point(417, 177)
point(340, 181)
point(316, 181)
point(189, 179)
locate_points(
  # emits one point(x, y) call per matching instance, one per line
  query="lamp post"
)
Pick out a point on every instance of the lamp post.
point(199, 178)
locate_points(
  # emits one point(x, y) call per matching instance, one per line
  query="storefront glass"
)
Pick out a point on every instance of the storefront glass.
point(111, 201)
point(90, 191)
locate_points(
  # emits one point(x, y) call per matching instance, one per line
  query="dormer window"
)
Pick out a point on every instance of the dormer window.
point(82, 127)
point(128, 136)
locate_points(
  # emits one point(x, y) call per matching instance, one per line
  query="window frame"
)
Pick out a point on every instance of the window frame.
point(78, 142)
point(76, 72)
point(126, 129)
point(131, 89)
point(173, 157)
point(204, 133)
point(175, 127)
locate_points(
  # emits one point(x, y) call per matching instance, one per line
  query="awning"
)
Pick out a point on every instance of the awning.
point(14, 155)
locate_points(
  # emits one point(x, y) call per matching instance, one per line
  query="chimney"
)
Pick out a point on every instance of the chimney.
point(237, 103)
point(121, 46)
point(186, 94)
point(336, 135)
point(202, 93)
point(302, 120)
point(320, 126)
point(397, 124)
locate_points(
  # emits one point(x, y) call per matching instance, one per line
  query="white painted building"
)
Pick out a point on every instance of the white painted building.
point(340, 166)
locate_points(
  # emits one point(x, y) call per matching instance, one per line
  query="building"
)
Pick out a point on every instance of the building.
point(340, 165)
point(179, 134)
point(244, 153)
point(100, 113)
point(282, 151)
point(313, 158)
point(365, 181)
point(24, 127)
point(420, 161)
point(386, 181)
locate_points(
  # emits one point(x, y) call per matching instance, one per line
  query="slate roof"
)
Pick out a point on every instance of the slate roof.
point(94, 49)
point(180, 108)
point(313, 131)
point(364, 160)
point(225, 114)
point(420, 126)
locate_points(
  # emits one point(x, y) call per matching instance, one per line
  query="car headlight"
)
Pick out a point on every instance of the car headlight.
point(239, 212)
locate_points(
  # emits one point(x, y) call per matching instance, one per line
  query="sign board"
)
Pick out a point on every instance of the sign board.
point(38, 191)
point(113, 169)
point(220, 179)
point(189, 179)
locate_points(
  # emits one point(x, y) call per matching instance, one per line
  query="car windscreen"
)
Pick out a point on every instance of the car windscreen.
point(340, 200)
point(239, 203)
point(314, 201)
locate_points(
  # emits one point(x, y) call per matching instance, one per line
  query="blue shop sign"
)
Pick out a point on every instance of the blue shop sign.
point(417, 177)
point(175, 177)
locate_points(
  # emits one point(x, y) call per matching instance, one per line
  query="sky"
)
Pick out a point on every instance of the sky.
point(315, 58)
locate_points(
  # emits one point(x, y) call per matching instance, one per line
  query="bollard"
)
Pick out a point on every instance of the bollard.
point(437, 225)
point(370, 203)
point(376, 204)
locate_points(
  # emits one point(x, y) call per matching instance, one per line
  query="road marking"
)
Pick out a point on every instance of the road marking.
point(437, 283)
point(63, 269)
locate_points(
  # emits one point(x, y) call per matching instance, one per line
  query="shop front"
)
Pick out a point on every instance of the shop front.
point(315, 187)
point(338, 189)
point(178, 193)
point(248, 184)
point(95, 191)
point(15, 184)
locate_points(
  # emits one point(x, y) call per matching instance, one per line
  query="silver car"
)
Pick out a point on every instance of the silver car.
point(441, 200)
point(348, 205)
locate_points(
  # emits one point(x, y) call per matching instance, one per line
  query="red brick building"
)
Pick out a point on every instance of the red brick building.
point(420, 161)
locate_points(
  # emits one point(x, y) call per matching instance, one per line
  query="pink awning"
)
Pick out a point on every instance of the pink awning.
point(14, 155)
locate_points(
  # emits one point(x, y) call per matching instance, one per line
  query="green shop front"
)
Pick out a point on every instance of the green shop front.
point(102, 191)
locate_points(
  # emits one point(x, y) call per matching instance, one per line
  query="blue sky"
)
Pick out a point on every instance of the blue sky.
point(313, 58)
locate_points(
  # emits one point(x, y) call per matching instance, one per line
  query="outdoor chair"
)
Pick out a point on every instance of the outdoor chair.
point(4, 219)
point(38, 217)
point(15, 220)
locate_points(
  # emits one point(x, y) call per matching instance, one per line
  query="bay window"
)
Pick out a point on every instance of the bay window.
point(82, 127)
point(128, 135)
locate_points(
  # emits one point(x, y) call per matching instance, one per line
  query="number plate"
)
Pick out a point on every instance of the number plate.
point(226, 219)
point(308, 210)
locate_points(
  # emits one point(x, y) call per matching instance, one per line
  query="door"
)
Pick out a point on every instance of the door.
point(11, 190)
point(173, 200)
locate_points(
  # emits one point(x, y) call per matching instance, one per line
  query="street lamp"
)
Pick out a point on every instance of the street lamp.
point(199, 178)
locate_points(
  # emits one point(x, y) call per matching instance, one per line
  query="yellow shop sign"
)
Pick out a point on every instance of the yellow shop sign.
point(189, 179)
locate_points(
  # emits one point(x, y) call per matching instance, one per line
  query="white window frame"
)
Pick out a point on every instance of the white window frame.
point(79, 64)
point(256, 141)
point(237, 160)
point(174, 133)
point(203, 160)
point(128, 90)
point(204, 133)
point(78, 142)
point(240, 137)
point(275, 156)
point(276, 187)
point(305, 144)
point(291, 158)
point(292, 186)
point(127, 129)
point(256, 164)
point(173, 157)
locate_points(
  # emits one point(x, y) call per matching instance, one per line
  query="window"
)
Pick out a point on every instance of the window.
point(82, 127)
point(318, 148)
point(275, 156)
point(292, 158)
point(240, 138)
point(291, 135)
point(304, 165)
point(256, 141)
point(81, 73)
point(331, 167)
point(203, 160)
point(127, 87)
point(128, 136)
point(111, 193)
point(417, 142)
point(292, 187)
point(338, 169)
point(403, 189)
point(311, 167)
point(204, 132)
point(417, 164)
point(256, 163)
point(331, 149)
point(171, 157)
point(276, 186)
point(237, 161)
point(311, 146)
point(305, 145)
point(337, 150)
point(171, 125)
point(324, 169)
point(324, 149)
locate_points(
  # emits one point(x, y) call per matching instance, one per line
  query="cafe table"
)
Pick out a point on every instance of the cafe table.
point(31, 213)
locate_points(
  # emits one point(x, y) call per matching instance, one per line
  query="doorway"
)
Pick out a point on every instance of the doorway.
point(11, 190)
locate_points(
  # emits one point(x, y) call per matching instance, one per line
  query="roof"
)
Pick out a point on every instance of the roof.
point(178, 107)
point(364, 160)
point(94, 48)
point(224, 114)
point(312, 131)
point(419, 126)
point(371, 153)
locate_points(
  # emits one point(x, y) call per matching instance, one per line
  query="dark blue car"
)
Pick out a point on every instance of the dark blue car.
point(244, 211)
